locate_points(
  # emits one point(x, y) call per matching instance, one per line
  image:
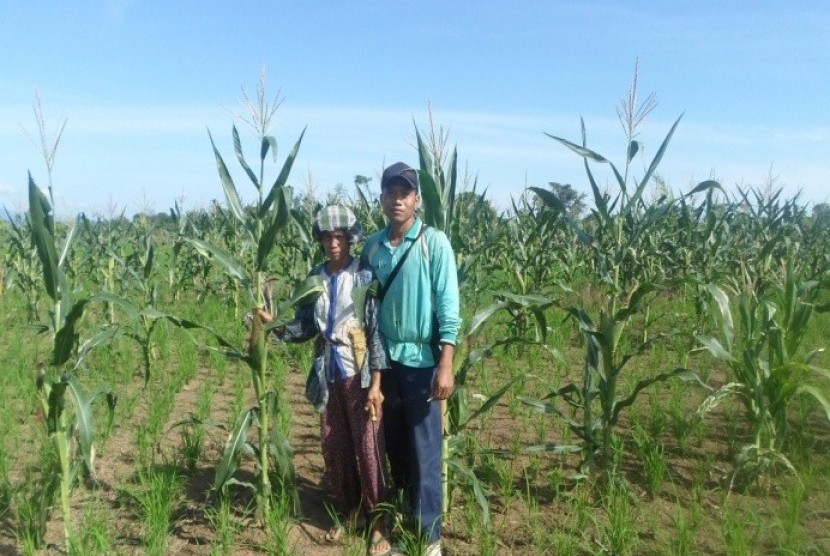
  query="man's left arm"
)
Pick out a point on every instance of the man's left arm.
point(447, 309)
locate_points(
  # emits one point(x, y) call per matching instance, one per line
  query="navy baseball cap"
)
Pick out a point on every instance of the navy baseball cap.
point(399, 173)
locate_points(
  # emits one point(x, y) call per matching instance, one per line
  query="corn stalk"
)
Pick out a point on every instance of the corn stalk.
point(70, 430)
point(262, 225)
point(614, 244)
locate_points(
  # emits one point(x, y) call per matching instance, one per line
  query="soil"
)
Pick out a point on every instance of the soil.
point(695, 471)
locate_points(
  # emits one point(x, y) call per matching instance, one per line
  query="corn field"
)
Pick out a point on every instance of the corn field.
point(638, 372)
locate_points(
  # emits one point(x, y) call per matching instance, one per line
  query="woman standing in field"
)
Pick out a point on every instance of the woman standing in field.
point(344, 384)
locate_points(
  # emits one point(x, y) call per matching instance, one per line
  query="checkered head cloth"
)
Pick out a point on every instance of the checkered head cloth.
point(337, 217)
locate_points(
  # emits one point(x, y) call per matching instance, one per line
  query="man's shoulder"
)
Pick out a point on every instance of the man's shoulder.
point(371, 242)
point(436, 239)
point(374, 237)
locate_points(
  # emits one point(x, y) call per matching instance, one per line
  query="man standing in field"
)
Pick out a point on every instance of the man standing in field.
point(425, 285)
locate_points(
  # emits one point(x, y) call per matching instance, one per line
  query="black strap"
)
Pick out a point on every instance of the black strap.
point(398, 266)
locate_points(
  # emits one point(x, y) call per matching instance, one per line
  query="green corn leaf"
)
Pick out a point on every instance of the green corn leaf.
point(66, 338)
point(304, 293)
point(129, 309)
point(70, 238)
point(550, 199)
point(278, 221)
point(269, 142)
point(580, 150)
point(82, 403)
point(103, 337)
point(681, 373)
point(478, 491)
point(716, 397)
point(655, 162)
point(235, 446)
point(483, 316)
point(43, 236)
point(722, 301)
point(433, 200)
point(282, 178)
point(245, 484)
point(557, 449)
point(233, 268)
point(491, 401)
point(588, 154)
point(714, 347)
point(462, 366)
point(634, 301)
point(231, 195)
point(449, 192)
point(192, 420)
point(237, 147)
point(229, 348)
point(550, 409)
point(54, 391)
point(359, 303)
point(707, 186)
point(818, 395)
point(633, 148)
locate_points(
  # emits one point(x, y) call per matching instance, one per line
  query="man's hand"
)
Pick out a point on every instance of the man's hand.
point(444, 381)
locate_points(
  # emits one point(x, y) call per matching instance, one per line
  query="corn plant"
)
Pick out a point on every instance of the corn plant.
point(22, 271)
point(262, 225)
point(69, 423)
point(615, 246)
point(458, 470)
point(768, 370)
point(142, 319)
point(438, 177)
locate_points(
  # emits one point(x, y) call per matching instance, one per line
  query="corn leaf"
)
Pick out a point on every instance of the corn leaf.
point(282, 178)
point(43, 236)
point(491, 401)
point(269, 142)
point(233, 268)
point(237, 147)
point(722, 301)
point(82, 403)
point(235, 446)
point(277, 222)
point(478, 491)
point(66, 338)
point(818, 395)
point(231, 195)
point(655, 162)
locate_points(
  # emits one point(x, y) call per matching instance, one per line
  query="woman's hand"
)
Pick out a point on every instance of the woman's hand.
point(374, 399)
point(264, 315)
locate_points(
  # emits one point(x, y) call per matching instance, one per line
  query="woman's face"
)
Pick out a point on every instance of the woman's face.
point(335, 245)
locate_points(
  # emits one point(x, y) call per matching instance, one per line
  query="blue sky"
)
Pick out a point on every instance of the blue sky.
point(141, 82)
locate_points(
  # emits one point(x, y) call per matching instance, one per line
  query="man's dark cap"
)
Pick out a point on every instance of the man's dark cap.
point(399, 173)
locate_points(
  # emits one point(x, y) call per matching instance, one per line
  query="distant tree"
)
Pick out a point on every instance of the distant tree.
point(570, 197)
point(821, 214)
point(362, 181)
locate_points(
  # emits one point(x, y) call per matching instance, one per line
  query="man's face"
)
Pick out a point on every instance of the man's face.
point(399, 202)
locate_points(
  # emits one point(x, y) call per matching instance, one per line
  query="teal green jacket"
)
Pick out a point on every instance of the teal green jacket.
point(427, 282)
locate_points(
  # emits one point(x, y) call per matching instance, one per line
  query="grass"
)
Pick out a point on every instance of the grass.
point(667, 496)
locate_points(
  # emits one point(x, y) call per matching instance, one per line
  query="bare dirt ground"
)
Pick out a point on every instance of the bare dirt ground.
point(514, 522)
